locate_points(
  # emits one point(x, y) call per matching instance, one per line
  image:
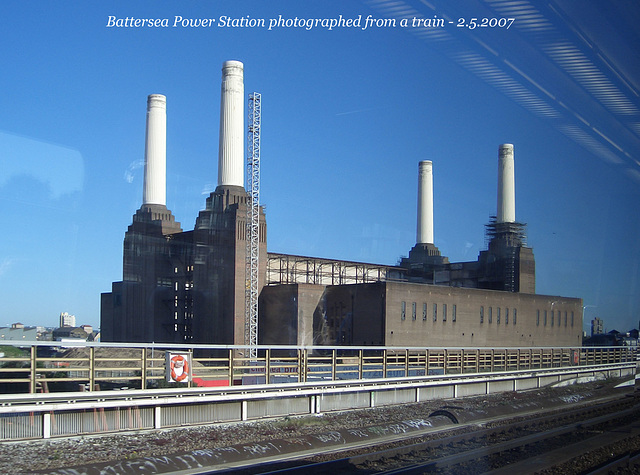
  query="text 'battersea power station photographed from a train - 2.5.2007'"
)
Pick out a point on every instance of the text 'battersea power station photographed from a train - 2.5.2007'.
point(190, 286)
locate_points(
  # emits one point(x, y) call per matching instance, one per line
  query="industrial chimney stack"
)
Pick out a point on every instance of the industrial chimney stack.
point(425, 203)
point(424, 261)
point(155, 152)
point(506, 212)
point(508, 264)
point(231, 144)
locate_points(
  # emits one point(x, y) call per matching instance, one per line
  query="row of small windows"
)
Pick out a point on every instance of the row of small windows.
point(499, 315)
point(434, 312)
point(568, 317)
point(553, 321)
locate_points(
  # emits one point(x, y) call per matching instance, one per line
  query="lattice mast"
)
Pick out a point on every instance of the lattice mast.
point(253, 224)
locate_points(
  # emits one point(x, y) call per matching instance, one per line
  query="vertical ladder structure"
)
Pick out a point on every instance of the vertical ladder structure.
point(253, 225)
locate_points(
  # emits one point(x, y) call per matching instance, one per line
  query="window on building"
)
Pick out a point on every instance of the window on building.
point(435, 312)
point(538, 318)
point(552, 317)
point(403, 310)
point(453, 313)
point(498, 315)
point(424, 312)
point(481, 314)
point(515, 315)
point(413, 311)
point(572, 319)
point(444, 312)
point(506, 316)
point(490, 314)
point(545, 318)
point(565, 319)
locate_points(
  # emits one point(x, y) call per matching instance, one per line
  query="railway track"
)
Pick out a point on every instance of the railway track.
point(575, 441)
point(516, 431)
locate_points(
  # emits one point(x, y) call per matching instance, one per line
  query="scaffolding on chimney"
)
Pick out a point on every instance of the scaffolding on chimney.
point(253, 225)
point(512, 234)
point(504, 241)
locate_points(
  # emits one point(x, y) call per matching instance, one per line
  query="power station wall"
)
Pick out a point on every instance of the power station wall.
point(410, 314)
point(352, 315)
point(286, 314)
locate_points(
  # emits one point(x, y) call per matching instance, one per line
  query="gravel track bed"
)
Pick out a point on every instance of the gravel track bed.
point(29, 456)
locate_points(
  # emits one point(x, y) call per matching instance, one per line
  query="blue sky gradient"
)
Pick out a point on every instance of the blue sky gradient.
point(347, 115)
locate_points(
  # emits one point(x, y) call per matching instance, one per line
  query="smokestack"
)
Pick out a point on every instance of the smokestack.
point(506, 185)
point(155, 152)
point(425, 203)
point(231, 151)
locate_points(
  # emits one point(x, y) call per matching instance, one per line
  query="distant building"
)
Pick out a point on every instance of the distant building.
point(69, 334)
point(67, 320)
point(597, 326)
point(613, 338)
point(630, 338)
point(18, 333)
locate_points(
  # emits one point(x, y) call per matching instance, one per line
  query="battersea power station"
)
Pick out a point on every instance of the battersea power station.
point(191, 286)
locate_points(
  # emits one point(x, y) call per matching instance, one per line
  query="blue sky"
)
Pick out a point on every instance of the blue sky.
point(347, 115)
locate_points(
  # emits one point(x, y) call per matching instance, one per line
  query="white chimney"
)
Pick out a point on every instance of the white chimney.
point(425, 203)
point(506, 185)
point(231, 151)
point(155, 152)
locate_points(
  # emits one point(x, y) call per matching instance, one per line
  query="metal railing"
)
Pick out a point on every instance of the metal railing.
point(31, 367)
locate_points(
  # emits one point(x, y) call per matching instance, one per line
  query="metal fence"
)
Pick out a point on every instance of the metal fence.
point(31, 367)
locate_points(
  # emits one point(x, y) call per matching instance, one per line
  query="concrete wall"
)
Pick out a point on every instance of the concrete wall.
point(495, 328)
point(286, 314)
point(354, 314)
point(372, 314)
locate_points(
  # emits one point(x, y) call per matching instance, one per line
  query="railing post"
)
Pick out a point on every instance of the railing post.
point(230, 367)
point(189, 379)
point(426, 362)
point(333, 364)
point(445, 362)
point(143, 376)
point(32, 374)
point(267, 366)
point(360, 363)
point(300, 363)
point(92, 368)
point(406, 363)
point(384, 363)
point(305, 356)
